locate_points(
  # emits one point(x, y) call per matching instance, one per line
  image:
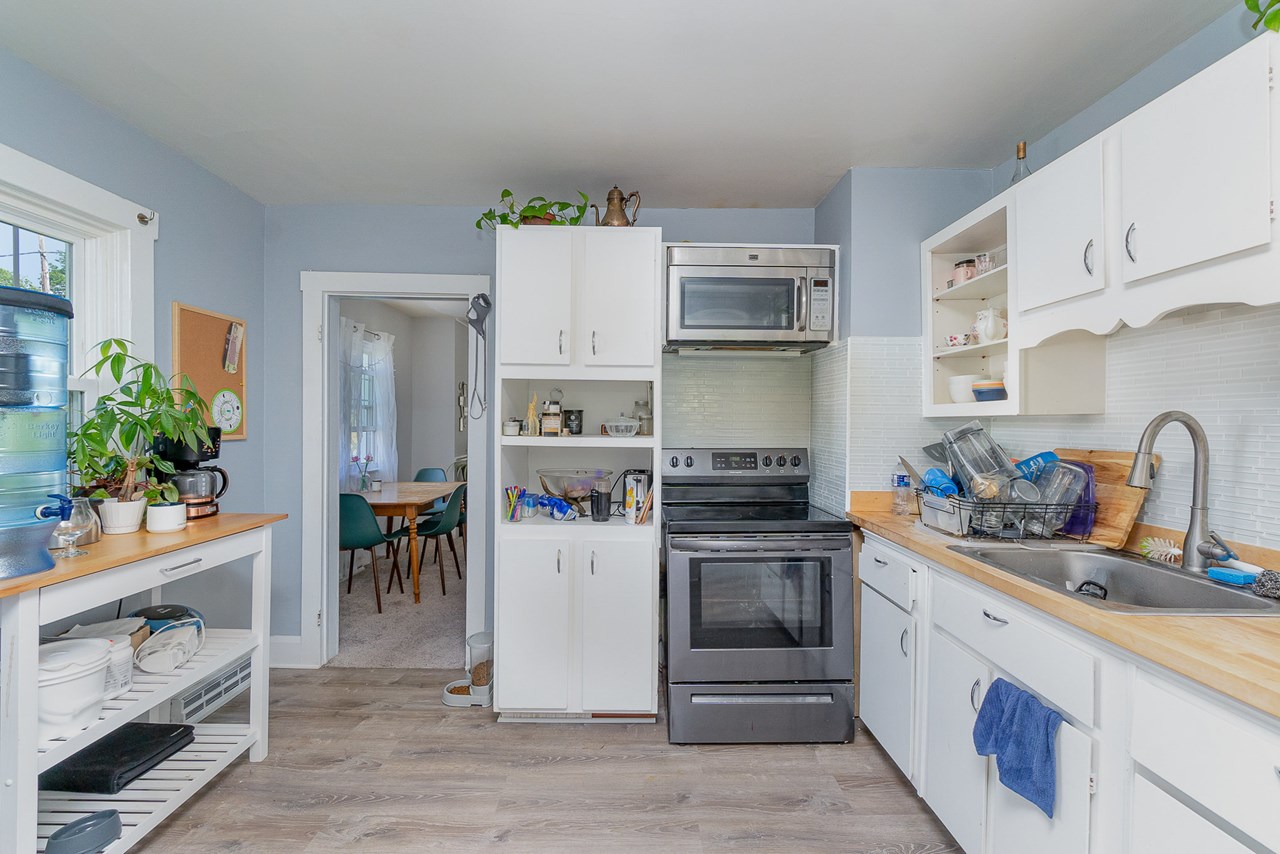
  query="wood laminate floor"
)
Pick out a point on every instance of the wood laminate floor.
point(370, 761)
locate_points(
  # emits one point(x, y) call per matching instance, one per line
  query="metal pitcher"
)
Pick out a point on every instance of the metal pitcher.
point(616, 208)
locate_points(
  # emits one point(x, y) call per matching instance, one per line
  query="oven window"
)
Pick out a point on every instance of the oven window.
point(759, 602)
point(737, 303)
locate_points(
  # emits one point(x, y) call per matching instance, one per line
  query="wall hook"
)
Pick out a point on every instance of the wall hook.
point(146, 219)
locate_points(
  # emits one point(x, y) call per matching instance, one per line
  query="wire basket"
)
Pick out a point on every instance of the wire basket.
point(999, 520)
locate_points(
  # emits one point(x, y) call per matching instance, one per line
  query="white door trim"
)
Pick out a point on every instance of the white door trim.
point(320, 493)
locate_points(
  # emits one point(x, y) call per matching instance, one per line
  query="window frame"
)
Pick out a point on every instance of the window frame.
point(112, 255)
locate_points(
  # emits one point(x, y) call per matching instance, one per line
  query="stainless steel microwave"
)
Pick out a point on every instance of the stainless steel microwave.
point(750, 297)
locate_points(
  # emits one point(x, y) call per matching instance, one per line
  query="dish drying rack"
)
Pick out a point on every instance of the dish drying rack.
point(967, 517)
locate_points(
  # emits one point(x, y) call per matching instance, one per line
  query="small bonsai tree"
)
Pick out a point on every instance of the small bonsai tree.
point(111, 452)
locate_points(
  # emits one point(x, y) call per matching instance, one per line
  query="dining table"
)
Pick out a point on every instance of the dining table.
point(410, 499)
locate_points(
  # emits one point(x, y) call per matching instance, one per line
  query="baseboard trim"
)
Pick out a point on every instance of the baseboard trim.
point(288, 652)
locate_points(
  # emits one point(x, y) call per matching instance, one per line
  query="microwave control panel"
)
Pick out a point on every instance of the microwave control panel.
point(821, 300)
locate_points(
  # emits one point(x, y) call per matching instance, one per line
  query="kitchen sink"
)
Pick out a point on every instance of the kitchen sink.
point(1121, 583)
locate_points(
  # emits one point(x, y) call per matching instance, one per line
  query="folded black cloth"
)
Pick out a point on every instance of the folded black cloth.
point(116, 760)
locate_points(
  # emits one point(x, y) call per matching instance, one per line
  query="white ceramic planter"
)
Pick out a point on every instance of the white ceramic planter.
point(166, 518)
point(121, 517)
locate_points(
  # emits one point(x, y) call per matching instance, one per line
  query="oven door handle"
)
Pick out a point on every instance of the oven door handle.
point(784, 547)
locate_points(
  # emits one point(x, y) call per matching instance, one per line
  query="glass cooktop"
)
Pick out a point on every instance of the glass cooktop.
point(754, 518)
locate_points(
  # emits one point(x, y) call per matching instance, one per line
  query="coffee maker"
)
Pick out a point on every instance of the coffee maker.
point(199, 486)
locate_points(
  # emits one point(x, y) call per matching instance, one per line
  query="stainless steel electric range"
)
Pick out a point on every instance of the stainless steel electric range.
point(759, 600)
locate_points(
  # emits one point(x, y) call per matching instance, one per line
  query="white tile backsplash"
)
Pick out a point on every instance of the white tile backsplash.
point(734, 401)
point(829, 428)
point(1221, 365)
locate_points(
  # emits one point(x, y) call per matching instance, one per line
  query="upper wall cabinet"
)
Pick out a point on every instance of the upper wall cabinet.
point(586, 298)
point(1195, 168)
point(1061, 230)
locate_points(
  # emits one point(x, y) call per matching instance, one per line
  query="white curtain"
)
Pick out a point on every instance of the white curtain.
point(367, 387)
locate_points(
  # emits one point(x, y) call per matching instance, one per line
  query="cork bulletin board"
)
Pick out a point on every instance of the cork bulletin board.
point(210, 348)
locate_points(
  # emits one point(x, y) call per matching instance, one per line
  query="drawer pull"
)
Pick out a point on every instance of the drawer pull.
point(902, 643)
point(993, 618)
point(170, 570)
point(973, 694)
point(881, 561)
point(559, 555)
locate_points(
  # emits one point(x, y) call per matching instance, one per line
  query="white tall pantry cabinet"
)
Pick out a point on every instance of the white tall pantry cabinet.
point(576, 603)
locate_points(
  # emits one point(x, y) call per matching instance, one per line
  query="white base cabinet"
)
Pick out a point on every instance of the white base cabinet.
point(1146, 760)
point(576, 625)
point(887, 675)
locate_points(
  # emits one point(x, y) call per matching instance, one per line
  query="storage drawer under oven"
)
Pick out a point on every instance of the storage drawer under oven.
point(760, 714)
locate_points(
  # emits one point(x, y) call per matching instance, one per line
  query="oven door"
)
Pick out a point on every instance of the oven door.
point(760, 609)
point(747, 304)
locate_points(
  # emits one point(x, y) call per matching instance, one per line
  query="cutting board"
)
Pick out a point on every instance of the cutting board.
point(1118, 503)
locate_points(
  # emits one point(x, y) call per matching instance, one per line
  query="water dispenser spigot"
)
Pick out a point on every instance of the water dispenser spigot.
point(61, 510)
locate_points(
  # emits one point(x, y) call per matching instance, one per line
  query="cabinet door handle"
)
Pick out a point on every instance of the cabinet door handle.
point(593, 563)
point(560, 344)
point(993, 618)
point(1128, 242)
point(559, 554)
point(1088, 257)
point(593, 342)
point(902, 643)
point(881, 561)
point(973, 694)
point(170, 570)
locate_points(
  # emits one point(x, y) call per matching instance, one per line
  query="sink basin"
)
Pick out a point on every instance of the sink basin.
point(1120, 583)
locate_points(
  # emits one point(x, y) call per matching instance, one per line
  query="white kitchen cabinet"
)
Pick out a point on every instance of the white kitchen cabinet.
point(886, 668)
point(618, 296)
point(532, 639)
point(618, 625)
point(535, 268)
point(578, 297)
point(955, 776)
point(1195, 168)
point(1061, 231)
point(1018, 826)
point(1162, 823)
point(575, 623)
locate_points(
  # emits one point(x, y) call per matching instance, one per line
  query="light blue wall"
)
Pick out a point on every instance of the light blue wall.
point(879, 217)
point(210, 250)
point(833, 225)
point(1183, 62)
point(401, 239)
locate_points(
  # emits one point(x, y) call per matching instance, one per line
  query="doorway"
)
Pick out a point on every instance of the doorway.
point(325, 577)
point(402, 407)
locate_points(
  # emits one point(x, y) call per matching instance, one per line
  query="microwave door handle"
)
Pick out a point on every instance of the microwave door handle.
point(802, 300)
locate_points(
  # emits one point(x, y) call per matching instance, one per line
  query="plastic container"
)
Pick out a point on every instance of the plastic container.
point(73, 681)
point(480, 652)
point(622, 427)
point(119, 676)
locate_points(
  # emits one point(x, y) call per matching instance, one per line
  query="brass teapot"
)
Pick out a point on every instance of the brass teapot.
point(616, 208)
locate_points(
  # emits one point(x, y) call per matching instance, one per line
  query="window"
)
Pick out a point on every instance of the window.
point(364, 415)
point(34, 261)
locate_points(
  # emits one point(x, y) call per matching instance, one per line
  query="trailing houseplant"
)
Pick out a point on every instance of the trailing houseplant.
point(536, 211)
point(113, 452)
point(1268, 12)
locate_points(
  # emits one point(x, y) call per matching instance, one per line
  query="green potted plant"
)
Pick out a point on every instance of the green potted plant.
point(166, 511)
point(536, 211)
point(1268, 12)
point(112, 454)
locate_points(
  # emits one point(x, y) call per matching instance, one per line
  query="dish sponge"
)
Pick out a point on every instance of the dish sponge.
point(1268, 584)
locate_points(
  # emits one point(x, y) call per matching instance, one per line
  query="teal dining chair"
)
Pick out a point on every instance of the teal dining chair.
point(358, 529)
point(443, 526)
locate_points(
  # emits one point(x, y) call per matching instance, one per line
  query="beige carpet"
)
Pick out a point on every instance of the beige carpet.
point(431, 634)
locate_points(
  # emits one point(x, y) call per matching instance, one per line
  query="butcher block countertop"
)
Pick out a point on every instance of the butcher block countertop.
point(1236, 656)
point(115, 550)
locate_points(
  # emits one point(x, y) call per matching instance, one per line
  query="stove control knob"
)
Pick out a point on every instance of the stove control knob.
point(768, 461)
point(782, 459)
point(688, 462)
point(675, 462)
point(795, 461)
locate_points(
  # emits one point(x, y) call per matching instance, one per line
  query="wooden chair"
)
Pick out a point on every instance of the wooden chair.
point(358, 529)
point(443, 526)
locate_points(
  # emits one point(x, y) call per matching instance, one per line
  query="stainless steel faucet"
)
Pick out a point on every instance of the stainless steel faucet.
point(1200, 544)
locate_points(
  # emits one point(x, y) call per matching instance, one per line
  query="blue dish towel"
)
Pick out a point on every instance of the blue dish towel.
point(1020, 731)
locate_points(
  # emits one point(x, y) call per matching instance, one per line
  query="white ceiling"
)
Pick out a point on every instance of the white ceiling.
point(717, 103)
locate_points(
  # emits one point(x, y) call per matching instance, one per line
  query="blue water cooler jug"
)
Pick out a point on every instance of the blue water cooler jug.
point(33, 425)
